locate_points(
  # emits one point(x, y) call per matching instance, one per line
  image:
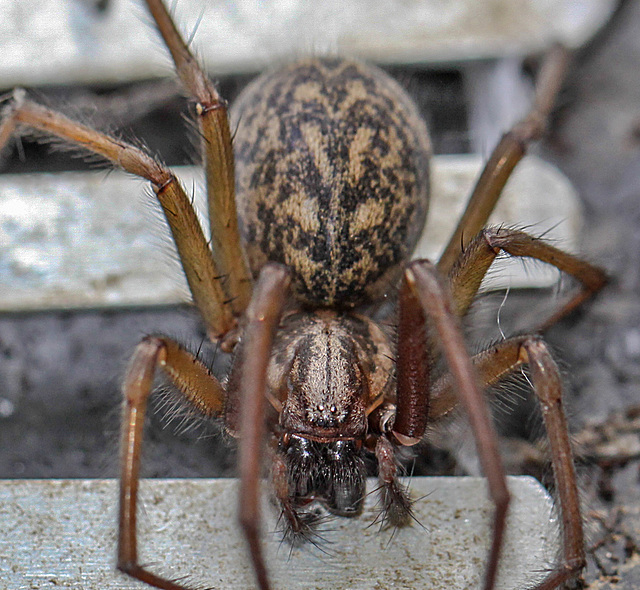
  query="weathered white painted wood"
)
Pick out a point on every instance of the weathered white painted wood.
point(97, 239)
point(62, 533)
point(68, 41)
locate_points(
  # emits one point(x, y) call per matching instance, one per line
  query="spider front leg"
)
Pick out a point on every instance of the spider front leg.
point(199, 387)
point(492, 365)
point(202, 274)
point(505, 156)
point(219, 278)
point(245, 408)
point(472, 265)
point(213, 121)
point(423, 295)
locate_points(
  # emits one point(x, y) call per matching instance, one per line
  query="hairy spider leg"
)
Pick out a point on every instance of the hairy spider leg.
point(206, 394)
point(472, 265)
point(506, 155)
point(202, 274)
point(429, 290)
point(506, 358)
point(213, 121)
point(199, 387)
point(262, 317)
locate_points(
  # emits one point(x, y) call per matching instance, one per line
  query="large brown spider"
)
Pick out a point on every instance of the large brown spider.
point(332, 192)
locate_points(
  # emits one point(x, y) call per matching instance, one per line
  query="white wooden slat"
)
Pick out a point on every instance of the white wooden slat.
point(62, 533)
point(68, 41)
point(96, 239)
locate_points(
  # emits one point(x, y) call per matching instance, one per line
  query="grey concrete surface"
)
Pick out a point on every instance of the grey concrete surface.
point(45, 42)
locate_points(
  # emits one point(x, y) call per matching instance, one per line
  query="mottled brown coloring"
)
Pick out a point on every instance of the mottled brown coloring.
point(332, 178)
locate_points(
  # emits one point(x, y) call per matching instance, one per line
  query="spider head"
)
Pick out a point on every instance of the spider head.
point(324, 385)
point(331, 472)
point(324, 419)
point(327, 371)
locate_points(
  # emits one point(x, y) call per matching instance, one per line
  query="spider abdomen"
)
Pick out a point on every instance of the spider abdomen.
point(332, 178)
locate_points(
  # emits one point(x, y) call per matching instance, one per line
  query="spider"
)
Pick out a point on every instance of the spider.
point(311, 230)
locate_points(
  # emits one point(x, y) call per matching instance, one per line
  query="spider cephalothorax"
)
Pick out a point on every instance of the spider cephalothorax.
point(330, 370)
point(332, 193)
point(327, 373)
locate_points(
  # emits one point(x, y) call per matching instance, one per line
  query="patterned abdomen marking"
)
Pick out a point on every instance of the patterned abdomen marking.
point(332, 177)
